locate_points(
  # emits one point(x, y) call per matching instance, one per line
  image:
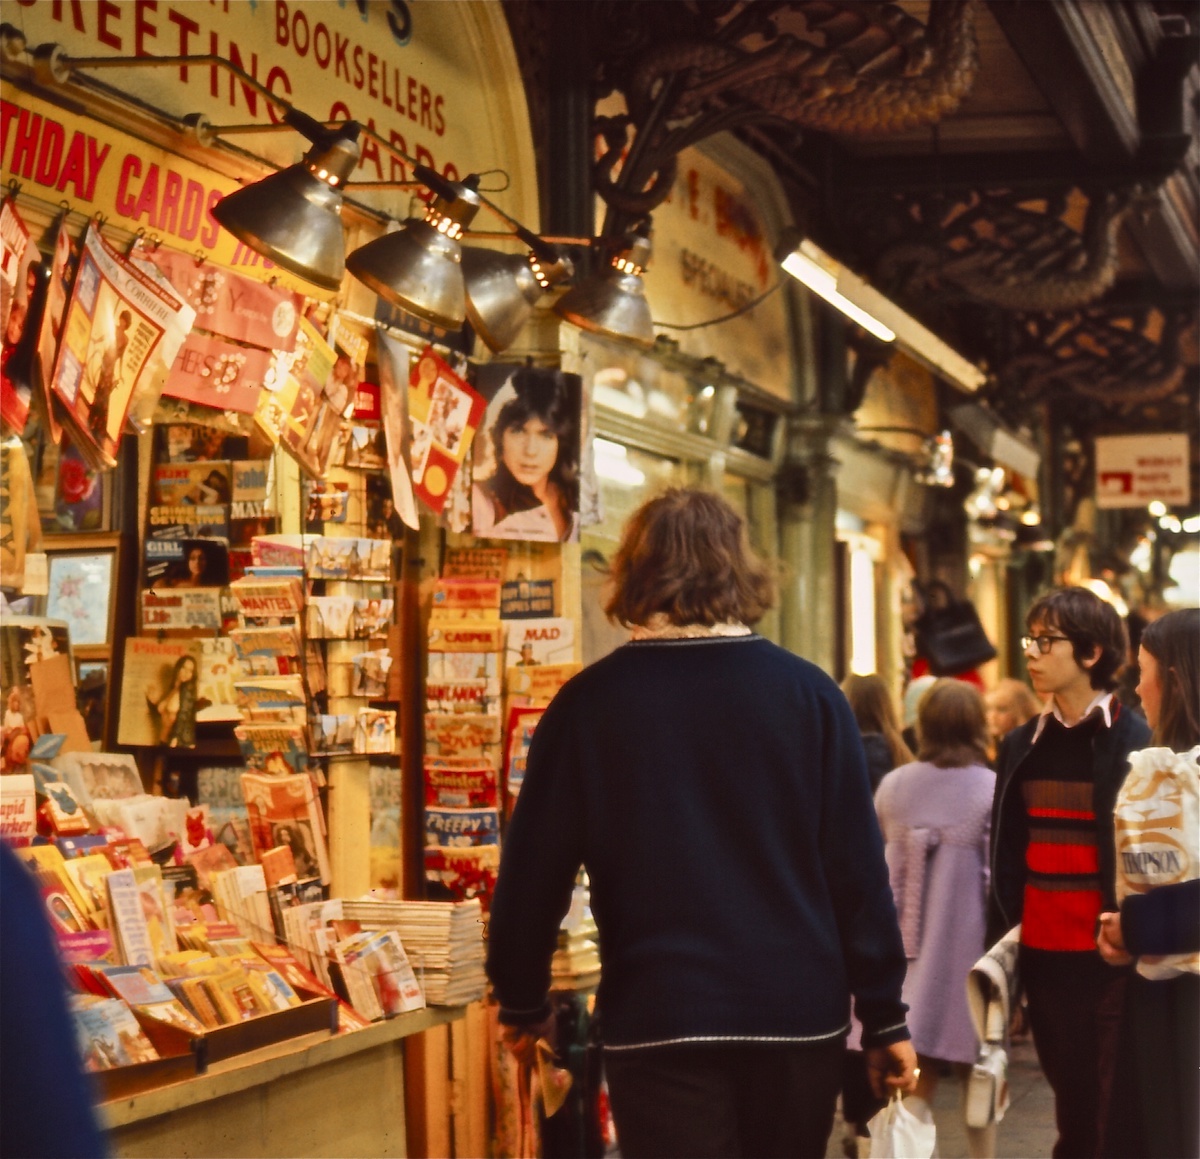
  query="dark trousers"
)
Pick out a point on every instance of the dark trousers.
point(1075, 1008)
point(1164, 1024)
point(721, 1101)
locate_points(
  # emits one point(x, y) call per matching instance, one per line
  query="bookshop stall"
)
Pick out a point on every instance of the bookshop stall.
point(289, 568)
point(305, 524)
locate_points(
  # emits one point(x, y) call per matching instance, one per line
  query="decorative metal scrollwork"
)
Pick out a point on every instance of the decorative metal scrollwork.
point(1008, 250)
point(837, 66)
point(1121, 359)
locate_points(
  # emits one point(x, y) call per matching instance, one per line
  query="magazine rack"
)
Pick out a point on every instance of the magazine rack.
point(311, 1017)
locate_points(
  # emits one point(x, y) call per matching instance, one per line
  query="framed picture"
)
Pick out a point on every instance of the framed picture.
point(82, 590)
point(91, 695)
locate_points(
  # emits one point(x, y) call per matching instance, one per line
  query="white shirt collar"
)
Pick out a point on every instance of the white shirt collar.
point(1101, 703)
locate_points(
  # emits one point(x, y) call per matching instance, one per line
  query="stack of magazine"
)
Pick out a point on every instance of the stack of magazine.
point(444, 942)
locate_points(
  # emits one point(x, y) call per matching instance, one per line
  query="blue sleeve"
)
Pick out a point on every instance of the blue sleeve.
point(1165, 920)
point(541, 856)
point(45, 1097)
point(852, 853)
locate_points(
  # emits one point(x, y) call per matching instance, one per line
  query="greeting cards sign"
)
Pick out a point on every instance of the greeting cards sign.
point(445, 413)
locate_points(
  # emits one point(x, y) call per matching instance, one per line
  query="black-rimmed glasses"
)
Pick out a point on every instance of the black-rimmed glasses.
point(1044, 643)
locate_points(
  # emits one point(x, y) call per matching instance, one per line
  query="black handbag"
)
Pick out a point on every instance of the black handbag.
point(949, 634)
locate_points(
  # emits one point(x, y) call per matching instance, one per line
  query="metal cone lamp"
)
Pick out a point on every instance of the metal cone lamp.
point(502, 289)
point(419, 266)
point(613, 301)
point(294, 217)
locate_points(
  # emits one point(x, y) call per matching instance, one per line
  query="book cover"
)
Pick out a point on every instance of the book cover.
point(128, 918)
point(89, 877)
point(108, 1034)
point(277, 641)
point(18, 813)
point(535, 686)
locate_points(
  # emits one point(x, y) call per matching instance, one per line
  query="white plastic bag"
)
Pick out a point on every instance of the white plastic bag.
point(898, 1133)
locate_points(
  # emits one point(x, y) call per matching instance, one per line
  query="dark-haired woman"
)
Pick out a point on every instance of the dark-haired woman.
point(737, 876)
point(533, 492)
point(1159, 924)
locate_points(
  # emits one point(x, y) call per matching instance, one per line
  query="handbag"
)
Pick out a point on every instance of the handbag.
point(898, 1133)
point(949, 634)
point(987, 1087)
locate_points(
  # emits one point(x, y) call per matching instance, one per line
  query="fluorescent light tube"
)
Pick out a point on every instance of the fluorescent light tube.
point(875, 313)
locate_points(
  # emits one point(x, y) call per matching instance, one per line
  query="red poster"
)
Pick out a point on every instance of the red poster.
point(214, 372)
point(231, 305)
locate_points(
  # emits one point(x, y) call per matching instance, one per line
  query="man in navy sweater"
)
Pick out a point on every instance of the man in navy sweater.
point(715, 788)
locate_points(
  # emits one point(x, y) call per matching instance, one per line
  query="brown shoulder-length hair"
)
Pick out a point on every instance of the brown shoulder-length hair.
point(875, 711)
point(685, 554)
point(951, 726)
point(1174, 641)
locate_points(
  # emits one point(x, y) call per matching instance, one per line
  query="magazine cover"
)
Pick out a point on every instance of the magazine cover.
point(122, 327)
point(24, 640)
point(393, 399)
point(63, 264)
point(445, 413)
point(23, 280)
point(526, 461)
point(169, 609)
point(159, 693)
point(186, 563)
point(465, 785)
point(384, 790)
point(543, 641)
point(287, 811)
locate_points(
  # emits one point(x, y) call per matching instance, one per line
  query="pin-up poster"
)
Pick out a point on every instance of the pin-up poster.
point(22, 296)
point(121, 327)
point(526, 464)
point(445, 413)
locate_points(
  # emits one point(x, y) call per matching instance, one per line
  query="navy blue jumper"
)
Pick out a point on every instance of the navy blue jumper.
point(716, 791)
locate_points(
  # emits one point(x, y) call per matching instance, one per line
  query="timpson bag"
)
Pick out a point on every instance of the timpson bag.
point(1157, 834)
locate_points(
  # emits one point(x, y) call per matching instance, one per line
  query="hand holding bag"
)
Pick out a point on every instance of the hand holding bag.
point(949, 634)
point(898, 1133)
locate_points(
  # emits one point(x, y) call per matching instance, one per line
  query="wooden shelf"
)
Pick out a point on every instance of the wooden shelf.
point(269, 1064)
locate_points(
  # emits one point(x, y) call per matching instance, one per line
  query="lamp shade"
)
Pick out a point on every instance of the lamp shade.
point(613, 301)
point(502, 290)
point(419, 266)
point(294, 217)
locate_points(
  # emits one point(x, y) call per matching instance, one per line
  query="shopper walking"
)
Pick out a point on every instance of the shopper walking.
point(875, 714)
point(1160, 927)
point(1009, 703)
point(1052, 852)
point(935, 814)
point(714, 786)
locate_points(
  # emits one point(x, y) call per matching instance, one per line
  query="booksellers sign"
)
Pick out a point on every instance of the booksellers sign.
point(1134, 470)
point(440, 81)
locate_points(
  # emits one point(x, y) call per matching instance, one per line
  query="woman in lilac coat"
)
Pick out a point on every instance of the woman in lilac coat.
point(935, 815)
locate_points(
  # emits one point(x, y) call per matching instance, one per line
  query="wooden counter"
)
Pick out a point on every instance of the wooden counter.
point(311, 1096)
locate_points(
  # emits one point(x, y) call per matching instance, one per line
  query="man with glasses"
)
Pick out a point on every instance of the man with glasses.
point(1052, 854)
